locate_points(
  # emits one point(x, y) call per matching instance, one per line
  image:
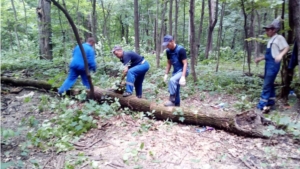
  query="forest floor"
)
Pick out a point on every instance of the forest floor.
point(125, 141)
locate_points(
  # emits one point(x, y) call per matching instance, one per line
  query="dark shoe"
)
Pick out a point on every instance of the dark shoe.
point(139, 97)
point(126, 94)
point(169, 104)
point(172, 98)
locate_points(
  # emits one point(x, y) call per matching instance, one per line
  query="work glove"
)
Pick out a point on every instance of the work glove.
point(165, 78)
point(182, 81)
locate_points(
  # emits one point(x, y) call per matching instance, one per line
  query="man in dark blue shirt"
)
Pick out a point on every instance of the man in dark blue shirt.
point(176, 55)
point(77, 66)
point(135, 67)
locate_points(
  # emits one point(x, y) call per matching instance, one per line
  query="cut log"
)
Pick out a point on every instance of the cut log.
point(246, 124)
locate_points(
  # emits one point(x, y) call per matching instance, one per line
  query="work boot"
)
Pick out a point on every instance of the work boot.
point(172, 98)
point(169, 104)
point(139, 97)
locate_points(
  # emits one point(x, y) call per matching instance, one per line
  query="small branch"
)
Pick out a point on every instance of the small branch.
point(48, 160)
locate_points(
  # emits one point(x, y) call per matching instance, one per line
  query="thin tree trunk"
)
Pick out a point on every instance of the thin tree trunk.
point(220, 35)
point(170, 18)
point(233, 39)
point(200, 31)
point(15, 25)
point(25, 13)
point(192, 39)
point(94, 21)
point(45, 32)
point(176, 20)
point(213, 17)
point(136, 27)
point(160, 34)
point(246, 43)
point(183, 32)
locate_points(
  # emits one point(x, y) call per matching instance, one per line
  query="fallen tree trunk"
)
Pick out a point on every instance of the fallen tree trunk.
point(246, 123)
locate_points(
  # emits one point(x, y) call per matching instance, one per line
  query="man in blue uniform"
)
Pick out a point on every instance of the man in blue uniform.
point(176, 56)
point(136, 68)
point(77, 66)
point(276, 49)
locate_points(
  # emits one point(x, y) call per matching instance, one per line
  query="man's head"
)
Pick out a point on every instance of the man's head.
point(91, 41)
point(118, 51)
point(169, 42)
point(273, 28)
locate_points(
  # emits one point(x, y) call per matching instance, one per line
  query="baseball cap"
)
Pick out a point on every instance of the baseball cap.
point(167, 39)
point(117, 47)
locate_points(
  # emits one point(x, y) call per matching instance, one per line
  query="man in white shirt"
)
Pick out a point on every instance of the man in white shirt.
point(276, 49)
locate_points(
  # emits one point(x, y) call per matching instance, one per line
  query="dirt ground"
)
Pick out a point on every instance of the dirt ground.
point(126, 141)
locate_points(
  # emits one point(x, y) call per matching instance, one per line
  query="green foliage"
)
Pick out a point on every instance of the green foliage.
point(243, 104)
point(70, 122)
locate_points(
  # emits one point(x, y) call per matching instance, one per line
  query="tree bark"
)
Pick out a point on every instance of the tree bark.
point(192, 40)
point(246, 124)
point(136, 27)
point(220, 35)
point(45, 32)
point(170, 18)
point(246, 43)
point(176, 20)
point(200, 30)
point(94, 20)
point(295, 6)
point(213, 17)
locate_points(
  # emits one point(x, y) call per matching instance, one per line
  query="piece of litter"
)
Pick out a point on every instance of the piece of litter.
point(25, 95)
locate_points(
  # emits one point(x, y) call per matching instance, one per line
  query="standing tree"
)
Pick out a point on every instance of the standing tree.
point(136, 27)
point(213, 17)
point(45, 33)
point(192, 39)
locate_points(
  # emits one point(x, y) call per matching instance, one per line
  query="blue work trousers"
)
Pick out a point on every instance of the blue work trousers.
point(135, 78)
point(71, 79)
point(174, 86)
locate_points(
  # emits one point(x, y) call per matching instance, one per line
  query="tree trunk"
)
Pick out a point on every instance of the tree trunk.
point(246, 43)
point(220, 35)
point(160, 34)
point(200, 31)
point(295, 6)
point(192, 40)
point(176, 20)
point(136, 27)
point(183, 32)
point(45, 32)
point(16, 24)
point(170, 18)
point(213, 17)
point(233, 39)
point(94, 21)
point(245, 124)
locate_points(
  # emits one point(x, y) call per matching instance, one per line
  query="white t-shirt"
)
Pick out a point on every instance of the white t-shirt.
point(278, 44)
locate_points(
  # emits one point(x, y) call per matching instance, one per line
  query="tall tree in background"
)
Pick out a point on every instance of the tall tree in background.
point(136, 27)
point(16, 23)
point(213, 17)
point(192, 39)
point(220, 35)
point(200, 30)
point(170, 18)
point(176, 20)
point(94, 20)
point(246, 35)
point(45, 33)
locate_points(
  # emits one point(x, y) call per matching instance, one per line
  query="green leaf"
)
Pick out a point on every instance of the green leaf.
point(142, 146)
point(181, 119)
point(78, 127)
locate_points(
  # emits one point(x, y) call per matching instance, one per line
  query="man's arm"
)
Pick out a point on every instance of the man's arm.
point(168, 67)
point(184, 67)
point(281, 54)
point(258, 59)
